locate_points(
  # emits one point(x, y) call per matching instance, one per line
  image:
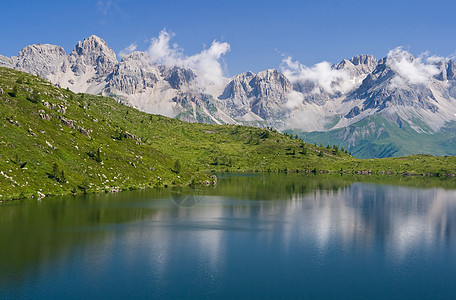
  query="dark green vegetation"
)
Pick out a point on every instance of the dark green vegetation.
point(377, 136)
point(53, 141)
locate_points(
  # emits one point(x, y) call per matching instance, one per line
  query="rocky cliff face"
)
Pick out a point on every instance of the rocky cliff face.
point(41, 60)
point(94, 53)
point(6, 62)
point(359, 65)
point(424, 100)
point(401, 88)
point(132, 75)
point(257, 97)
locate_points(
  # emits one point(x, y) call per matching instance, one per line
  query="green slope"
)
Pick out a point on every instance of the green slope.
point(377, 137)
point(53, 142)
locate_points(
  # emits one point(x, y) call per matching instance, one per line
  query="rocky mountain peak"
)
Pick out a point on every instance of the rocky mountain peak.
point(270, 74)
point(178, 77)
point(384, 88)
point(133, 74)
point(448, 70)
point(363, 59)
point(359, 65)
point(137, 56)
point(399, 54)
point(270, 81)
point(6, 62)
point(93, 51)
point(93, 44)
point(41, 49)
point(42, 59)
point(451, 70)
point(239, 86)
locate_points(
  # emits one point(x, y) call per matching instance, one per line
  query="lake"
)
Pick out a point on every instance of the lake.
point(252, 236)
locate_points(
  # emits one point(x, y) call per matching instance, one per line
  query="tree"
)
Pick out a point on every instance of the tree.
point(55, 171)
point(36, 97)
point(98, 155)
point(57, 174)
point(95, 155)
point(84, 186)
point(15, 91)
point(20, 80)
point(177, 167)
point(62, 178)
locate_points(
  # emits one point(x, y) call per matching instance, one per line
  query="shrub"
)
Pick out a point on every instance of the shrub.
point(177, 167)
point(57, 174)
point(95, 155)
point(15, 91)
point(35, 97)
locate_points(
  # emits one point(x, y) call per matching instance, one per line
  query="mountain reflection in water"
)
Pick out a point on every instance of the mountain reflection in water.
point(251, 232)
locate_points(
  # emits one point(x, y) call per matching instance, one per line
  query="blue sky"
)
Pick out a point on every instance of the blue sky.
point(259, 32)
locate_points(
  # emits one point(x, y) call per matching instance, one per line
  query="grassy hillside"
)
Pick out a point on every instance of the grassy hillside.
point(53, 142)
point(376, 136)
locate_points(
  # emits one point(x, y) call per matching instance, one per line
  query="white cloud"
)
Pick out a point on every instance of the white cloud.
point(206, 64)
point(321, 75)
point(127, 50)
point(160, 51)
point(294, 99)
point(412, 70)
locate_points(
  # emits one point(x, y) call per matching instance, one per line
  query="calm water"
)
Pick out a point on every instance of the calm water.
point(266, 236)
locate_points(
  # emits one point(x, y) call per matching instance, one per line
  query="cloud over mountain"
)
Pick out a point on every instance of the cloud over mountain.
point(411, 70)
point(322, 76)
point(127, 50)
point(206, 64)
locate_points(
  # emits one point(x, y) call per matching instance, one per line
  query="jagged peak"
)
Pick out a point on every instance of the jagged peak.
point(94, 40)
point(399, 54)
point(135, 56)
point(357, 60)
point(364, 59)
point(248, 74)
point(41, 49)
point(269, 71)
point(343, 64)
point(93, 44)
point(94, 37)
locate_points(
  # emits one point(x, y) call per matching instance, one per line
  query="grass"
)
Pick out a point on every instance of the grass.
point(55, 142)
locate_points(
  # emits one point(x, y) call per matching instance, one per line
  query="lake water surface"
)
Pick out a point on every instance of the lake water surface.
point(262, 236)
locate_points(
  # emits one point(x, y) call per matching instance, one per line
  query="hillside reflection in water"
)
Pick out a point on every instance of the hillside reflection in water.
point(265, 236)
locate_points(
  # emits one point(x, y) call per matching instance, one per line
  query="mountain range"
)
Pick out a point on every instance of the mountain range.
point(394, 106)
